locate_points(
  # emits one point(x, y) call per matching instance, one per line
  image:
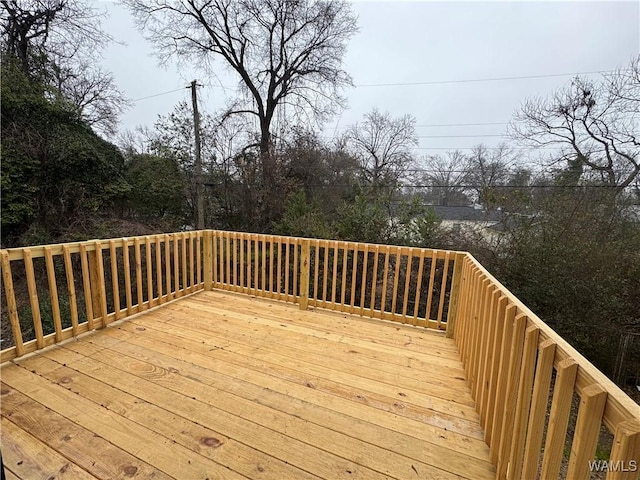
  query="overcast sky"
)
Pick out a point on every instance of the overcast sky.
point(405, 42)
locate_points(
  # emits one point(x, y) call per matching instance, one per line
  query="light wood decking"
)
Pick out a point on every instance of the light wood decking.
point(223, 385)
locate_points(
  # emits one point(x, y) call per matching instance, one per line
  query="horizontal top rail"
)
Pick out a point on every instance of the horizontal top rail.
point(37, 251)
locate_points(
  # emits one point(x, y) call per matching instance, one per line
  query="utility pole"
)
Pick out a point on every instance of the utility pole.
point(196, 128)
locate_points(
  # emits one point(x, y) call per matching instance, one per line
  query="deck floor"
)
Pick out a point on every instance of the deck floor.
point(222, 385)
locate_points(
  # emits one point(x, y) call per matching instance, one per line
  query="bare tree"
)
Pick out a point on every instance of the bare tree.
point(595, 123)
point(488, 170)
point(55, 42)
point(383, 146)
point(94, 94)
point(447, 178)
point(41, 31)
point(285, 52)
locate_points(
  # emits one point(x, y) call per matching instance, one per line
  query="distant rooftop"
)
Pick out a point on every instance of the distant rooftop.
point(466, 213)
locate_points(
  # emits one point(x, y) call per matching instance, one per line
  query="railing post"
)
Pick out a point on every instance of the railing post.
point(304, 274)
point(96, 275)
point(208, 259)
point(454, 296)
point(625, 451)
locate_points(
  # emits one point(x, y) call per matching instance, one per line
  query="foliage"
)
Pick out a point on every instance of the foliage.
point(158, 190)
point(304, 218)
point(55, 171)
point(575, 265)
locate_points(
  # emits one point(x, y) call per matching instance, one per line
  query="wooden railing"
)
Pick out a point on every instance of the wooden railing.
point(55, 292)
point(528, 383)
point(525, 379)
point(408, 285)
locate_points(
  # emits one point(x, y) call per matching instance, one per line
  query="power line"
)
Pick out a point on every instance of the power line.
point(437, 125)
point(461, 124)
point(435, 82)
point(334, 185)
point(158, 94)
point(485, 148)
point(459, 136)
point(474, 80)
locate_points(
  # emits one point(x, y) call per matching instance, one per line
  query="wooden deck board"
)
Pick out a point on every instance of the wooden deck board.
point(222, 385)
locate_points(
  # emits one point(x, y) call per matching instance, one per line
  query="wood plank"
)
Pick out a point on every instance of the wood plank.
point(626, 447)
point(257, 377)
point(441, 358)
point(431, 361)
point(385, 277)
point(525, 387)
point(498, 316)
point(354, 273)
point(167, 266)
point(585, 437)
point(199, 255)
point(232, 417)
point(185, 283)
point(398, 363)
point(285, 360)
point(287, 249)
point(513, 379)
point(28, 457)
point(559, 418)
point(256, 265)
point(432, 278)
point(86, 285)
point(200, 439)
point(419, 287)
point(280, 397)
point(192, 278)
point(171, 458)
point(126, 263)
point(374, 282)
point(535, 430)
point(314, 352)
point(232, 358)
point(334, 271)
point(363, 283)
point(407, 284)
point(9, 475)
point(443, 287)
point(176, 266)
point(243, 263)
point(159, 283)
point(11, 303)
point(53, 293)
point(263, 264)
point(72, 441)
point(408, 337)
point(396, 281)
point(138, 260)
point(189, 379)
point(33, 298)
point(343, 284)
point(149, 270)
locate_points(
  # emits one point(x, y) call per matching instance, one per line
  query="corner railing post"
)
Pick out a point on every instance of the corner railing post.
point(454, 297)
point(208, 259)
point(304, 274)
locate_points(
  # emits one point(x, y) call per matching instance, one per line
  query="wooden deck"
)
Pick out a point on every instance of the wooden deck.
point(223, 385)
